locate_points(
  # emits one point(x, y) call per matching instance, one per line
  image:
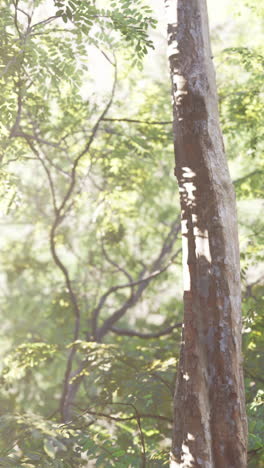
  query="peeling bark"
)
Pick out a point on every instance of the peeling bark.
point(210, 427)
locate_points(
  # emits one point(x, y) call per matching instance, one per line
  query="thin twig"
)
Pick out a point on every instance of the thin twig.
point(138, 416)
point(116, 418)
point(19, 109)
point(46, 169)
point(87, 147)
point(15, 2)
point(145, 122)
point(108, 322)
point(26, 14)
point(142, 284)
point(46, 21)
point(34, 137)
point(118, 267)
point(127, 332)
point(247, 176)
point(142, 439)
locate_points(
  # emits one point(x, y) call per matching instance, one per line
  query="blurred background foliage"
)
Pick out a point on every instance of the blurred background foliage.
point(91, 259)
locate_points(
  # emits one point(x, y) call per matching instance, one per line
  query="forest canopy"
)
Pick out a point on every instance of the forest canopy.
point(91, 288)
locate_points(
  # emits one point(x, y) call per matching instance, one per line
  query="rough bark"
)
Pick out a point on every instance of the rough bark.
point(210, 428)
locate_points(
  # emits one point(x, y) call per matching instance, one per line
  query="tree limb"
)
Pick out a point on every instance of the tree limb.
point(65, 401)
point(247, 176)
point(132, 300)
point(87, 146)
point(36, 138)
point(127, 332)
point(118, 267)
point(146, 122)
point(46, 169)
point(142, 283)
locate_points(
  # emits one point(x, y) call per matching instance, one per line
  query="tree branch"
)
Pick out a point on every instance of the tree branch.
point(117, 418)
point(120, 312)
point(247, 176)
point(36, 138)
point(88, 145)
point(146, 122)
point(141, 283)
point(46, 169)
point(15, 3)
point(19, 108)
point(46, 21)
point(129, 418)
point(141, 434)
point(126, 332)
point(65, 401)
point(59, 216)
point(118, 267)
point(63, 406)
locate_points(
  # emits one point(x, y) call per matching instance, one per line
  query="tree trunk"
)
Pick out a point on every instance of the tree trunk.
point(210, 428)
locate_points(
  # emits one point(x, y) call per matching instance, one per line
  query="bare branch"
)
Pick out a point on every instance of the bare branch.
point(126, 332)
point(119, 418)
point(109, 322)
point(118, 267)
point(169, 242)
point(247, 176)
point(57, 167)
point(19, 110)
point(142, 439)
point(146, 122)
point(136, 283)
point(73, 298)
point(118, 403)
point(141, 434)
point(61, 213)
point(142, 283)
point(105, 55)
point(24, 13)
point(46, 21)
point(46, 169)
point(132, 299)
point(15, 3)
point(87, 146)
point(19, 158)
point(34, 137)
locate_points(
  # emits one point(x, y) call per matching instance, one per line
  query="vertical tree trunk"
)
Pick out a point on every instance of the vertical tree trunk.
point(210, 428)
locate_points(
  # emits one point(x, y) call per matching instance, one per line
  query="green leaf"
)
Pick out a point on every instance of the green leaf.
point(49, 448)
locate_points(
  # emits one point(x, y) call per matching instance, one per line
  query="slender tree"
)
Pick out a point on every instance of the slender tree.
point(210, 427)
